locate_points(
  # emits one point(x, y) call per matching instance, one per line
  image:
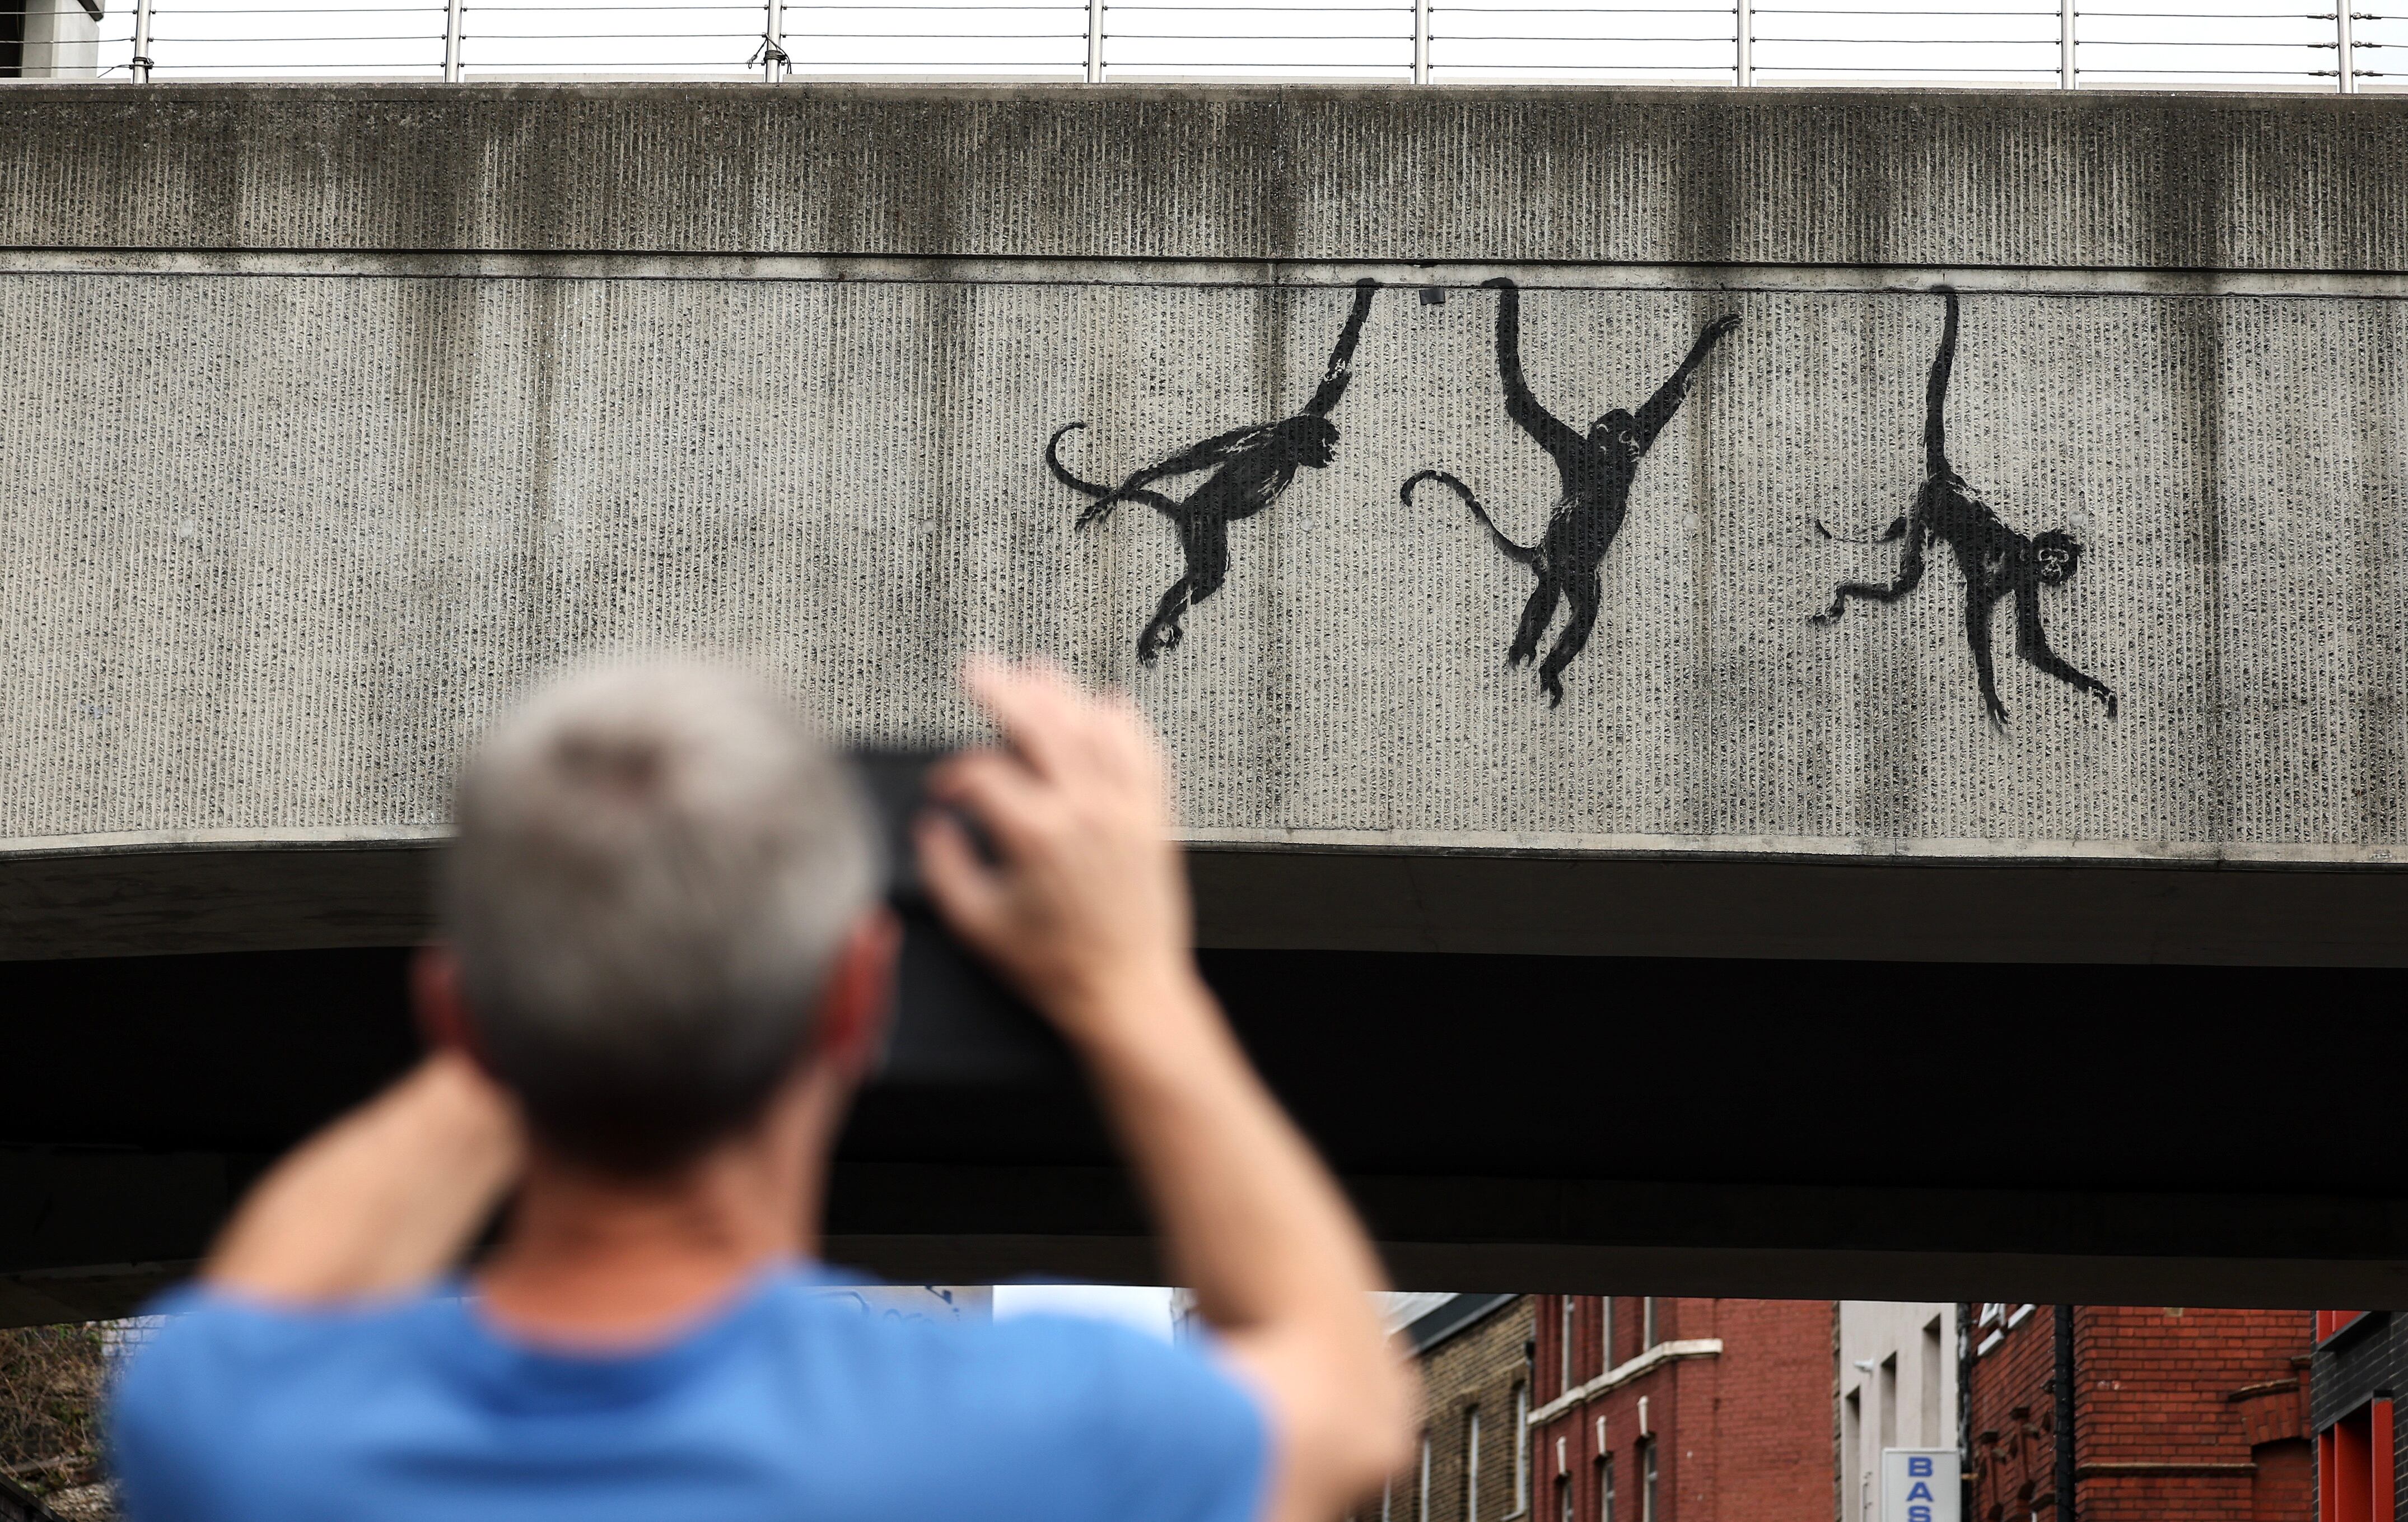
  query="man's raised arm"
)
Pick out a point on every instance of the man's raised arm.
point(1085, 907)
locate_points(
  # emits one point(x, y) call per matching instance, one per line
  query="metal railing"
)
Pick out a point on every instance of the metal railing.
point(2064, 44)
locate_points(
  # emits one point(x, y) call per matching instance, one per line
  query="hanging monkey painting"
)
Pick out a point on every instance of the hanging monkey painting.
point(1995, 561)
point(1596, 467)
point(1245, 470)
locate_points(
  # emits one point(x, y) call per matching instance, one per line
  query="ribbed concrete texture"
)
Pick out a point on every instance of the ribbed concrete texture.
point(1760, 175)
point(274, 544)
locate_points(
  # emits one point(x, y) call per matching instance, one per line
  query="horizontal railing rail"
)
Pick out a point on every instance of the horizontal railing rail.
point(2060, 44)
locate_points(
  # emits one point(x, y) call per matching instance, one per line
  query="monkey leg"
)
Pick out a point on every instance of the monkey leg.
point(1584, 596)
point(1205, 542)
point(1536, 615)
point(2032, 643)
point(1910, 575)
point(1163, 631)
point(1977, 634)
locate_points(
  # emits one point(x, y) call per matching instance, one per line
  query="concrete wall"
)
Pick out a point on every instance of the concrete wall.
point(1888, 1355)
point(336, 416)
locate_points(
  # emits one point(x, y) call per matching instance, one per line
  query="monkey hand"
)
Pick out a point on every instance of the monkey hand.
point(1720, 327)
point(1998, 710)
point(2105, 695)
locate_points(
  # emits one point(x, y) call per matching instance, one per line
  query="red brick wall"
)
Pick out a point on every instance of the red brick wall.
point(2180, 1415)
point(1743, 1435)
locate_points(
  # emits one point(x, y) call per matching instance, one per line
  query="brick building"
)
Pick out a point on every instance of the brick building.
point(2180, 1415)
point(2360, 1365)
point(1474, 1354)
point(1682, 1410)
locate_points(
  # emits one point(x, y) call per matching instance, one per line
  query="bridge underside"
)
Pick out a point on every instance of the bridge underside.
point(1759, 1078)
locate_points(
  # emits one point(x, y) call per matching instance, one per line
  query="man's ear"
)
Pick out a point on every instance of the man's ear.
point(850, 1027)
point(439, 1006)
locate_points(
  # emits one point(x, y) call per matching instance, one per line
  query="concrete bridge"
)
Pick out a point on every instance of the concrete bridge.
point(334, 416)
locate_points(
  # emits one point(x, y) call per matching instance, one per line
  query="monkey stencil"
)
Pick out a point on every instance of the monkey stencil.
point(1994, 559)
point(1597, 468)
point(1250, 468)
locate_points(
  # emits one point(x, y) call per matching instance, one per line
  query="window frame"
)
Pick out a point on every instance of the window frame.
point(1472, 1463)
point(1521, 1438)
point(2349, 1459)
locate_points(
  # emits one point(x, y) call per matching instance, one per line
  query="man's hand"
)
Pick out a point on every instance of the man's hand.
point(1085, 907)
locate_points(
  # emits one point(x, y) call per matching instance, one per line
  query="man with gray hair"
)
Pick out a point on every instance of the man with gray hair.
point(664, 973)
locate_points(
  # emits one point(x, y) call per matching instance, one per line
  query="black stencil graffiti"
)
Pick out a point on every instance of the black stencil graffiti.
point(1994, 559)
point(1597, 467)
point(1250, 468)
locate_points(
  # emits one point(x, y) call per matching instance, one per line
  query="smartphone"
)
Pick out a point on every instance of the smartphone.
point(954, 1022)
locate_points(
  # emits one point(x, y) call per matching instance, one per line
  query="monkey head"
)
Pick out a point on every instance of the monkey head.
point(2055, 556)
point(1307, 440)
point(1617, 430)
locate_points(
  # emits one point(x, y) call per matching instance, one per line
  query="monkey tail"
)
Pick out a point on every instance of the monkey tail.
point(1106, 498)
point(1061, 472)
point(1895, 530)
point(1523, 553)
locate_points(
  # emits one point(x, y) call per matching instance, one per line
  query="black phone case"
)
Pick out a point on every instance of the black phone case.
point(955, 1022)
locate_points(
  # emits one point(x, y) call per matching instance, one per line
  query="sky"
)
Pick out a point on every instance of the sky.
point(2121, 42)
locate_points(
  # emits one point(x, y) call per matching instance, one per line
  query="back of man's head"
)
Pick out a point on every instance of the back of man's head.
point(657, 867)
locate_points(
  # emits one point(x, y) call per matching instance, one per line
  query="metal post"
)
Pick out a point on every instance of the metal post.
point(1095, 42)
point(452, 19)
point(2061, 1387)
point(773, 41)
point(1421, 41)
point(1745, 32)
point(2348, 49)
point(2065, 70)
point(139, 70)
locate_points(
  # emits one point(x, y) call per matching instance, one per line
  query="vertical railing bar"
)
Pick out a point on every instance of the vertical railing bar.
point(2349, 48)
point(453, 19)
point(139, 69)
point(1421, 41)
point(2066, 72)
point(1743, 28)
point(1095, 42)
point(773, 40)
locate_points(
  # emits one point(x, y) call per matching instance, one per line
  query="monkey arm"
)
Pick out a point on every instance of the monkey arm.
point(1552, 434)
point(1650, 419)
point(1341, 359)
point(2032, 643)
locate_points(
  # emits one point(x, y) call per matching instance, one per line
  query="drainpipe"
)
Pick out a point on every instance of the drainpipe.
point(2064, 1388)
point(1964, 1409)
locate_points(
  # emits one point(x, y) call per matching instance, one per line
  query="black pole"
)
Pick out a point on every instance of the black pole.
point(2064, 1390)
point(1964, 1410)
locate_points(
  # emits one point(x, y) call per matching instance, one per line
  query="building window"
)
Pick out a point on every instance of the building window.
point(1648, 1328)
point(2354, 1474)
point(2331, 1324)
point(1647, 1511)
point(1926, 1403)
point(1564, 1344)
point(1421, 1499)
point(1471, 1464)
point(1521, 1449)
point(1605, 1332)
point(1564, 1497)
point(1605, 1488)
point(1388, 1499)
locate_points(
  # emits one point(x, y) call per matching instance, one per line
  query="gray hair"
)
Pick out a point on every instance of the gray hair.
point(657, 866)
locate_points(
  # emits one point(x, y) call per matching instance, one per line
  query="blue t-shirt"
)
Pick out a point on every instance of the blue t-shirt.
point(789, 1403)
